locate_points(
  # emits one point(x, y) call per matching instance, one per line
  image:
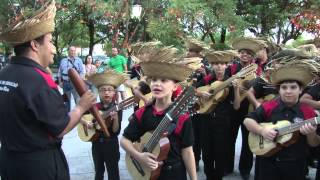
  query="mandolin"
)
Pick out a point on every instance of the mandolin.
point(89, 134)
point(287, 135)
point(219, 90)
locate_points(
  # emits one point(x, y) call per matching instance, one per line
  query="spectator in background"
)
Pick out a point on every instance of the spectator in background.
point(119, 64)
point(72, 61)
point(90, 68)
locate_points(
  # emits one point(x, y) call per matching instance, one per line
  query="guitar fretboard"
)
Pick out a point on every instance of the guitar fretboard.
point(296, 126)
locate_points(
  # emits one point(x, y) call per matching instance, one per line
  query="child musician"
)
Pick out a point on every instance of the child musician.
point(163, 71)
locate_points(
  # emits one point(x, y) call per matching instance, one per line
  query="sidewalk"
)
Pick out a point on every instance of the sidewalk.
point(81, 166)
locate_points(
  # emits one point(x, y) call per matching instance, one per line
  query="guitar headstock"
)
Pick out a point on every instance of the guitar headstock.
point(248, 71)
point(127, 103)
point(184, 102)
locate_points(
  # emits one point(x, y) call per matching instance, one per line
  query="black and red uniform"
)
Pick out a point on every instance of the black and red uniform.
point(290, 162)
point(147, 119)
point(246, 156)
point(105, 150)
point(216, 134)
point(32, 116)
point(314, 92)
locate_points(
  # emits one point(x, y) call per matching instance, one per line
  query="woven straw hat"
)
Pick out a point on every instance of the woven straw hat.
point(310, 49)
point(292, 68)
point(221, 56)
point(195, 45)
point(191, 62)
point(164, 63)
point(108, 77)
point(26, 30)
point(247, 43)
point(142, 50)
point(271, 46)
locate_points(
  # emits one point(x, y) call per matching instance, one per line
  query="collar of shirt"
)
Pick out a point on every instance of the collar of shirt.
point(26, 62)
point(283, 107)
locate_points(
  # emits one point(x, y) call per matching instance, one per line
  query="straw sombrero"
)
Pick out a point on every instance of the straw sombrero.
point(272, 47)
point(108, 77)
point(41, 23)
point(163, 63)
point(195, 45)
point(292, 68)
point(247, 43)
point(140, 51)
point(310, 49)
point(221, 56)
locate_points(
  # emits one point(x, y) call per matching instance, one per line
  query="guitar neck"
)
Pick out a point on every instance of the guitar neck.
point(158, 133)
point(296, 126)
point(223, 85)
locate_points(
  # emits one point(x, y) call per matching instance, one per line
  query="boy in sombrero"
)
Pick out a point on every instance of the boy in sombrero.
point(216, 126)
point(290, 76)
point(164, 73)
point(105, 150)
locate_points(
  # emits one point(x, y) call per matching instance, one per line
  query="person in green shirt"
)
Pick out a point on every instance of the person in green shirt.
point(118, 62)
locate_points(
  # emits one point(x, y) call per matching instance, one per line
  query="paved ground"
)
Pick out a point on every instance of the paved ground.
point(79, 157)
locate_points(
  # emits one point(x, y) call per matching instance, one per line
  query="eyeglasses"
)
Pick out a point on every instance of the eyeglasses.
point(106, 90)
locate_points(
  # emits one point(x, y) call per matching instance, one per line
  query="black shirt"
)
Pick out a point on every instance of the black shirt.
point(262, 88)
point(147, 119)
point(31, 108)
point(224, 107)
point(113, 135)
point(274, 111)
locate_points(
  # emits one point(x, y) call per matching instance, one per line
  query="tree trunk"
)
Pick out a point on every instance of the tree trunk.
point(91, 29)
point(223, 35)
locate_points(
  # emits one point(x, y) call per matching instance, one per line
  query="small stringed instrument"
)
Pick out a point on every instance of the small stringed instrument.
point(89, 134)
point(154, 142)
point(287, 135)
point(219, 89)
point(81, 88)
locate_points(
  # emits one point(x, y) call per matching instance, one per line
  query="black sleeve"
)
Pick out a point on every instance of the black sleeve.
point(133, 131)
point(48, 108)
point(258, 88)
point(258, 114)
point(187, 138)
point(314, 92)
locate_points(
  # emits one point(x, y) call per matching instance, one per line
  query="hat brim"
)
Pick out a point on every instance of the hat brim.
point(292, 73)
point(112, 79)
point(166, 70)
point(247, 44)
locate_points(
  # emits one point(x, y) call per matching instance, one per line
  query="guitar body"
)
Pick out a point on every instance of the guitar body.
point(86, 134)
point(207, 106)
point(263, 147)
point(160, 151)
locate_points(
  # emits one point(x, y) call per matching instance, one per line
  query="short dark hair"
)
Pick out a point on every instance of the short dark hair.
point(144, 88)
point(22, 49)
point(289, 81)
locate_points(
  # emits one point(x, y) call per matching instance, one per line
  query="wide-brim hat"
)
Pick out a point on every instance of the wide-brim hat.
point(310, 49)
point(164, 63)
point(166, 70)
point(301, 70)
point(272, 47)
point(195, 45)
point(252, 44)
point(26, 30)
point(192, 62)
point(221, 56)
point(108, 77)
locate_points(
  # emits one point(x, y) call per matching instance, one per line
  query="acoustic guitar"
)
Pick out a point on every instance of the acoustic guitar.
point(219, 89)
point(89, 134)
point(287, 135)
point(156, 143)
